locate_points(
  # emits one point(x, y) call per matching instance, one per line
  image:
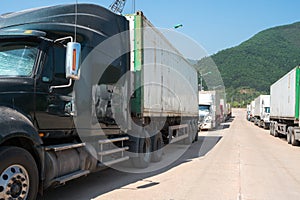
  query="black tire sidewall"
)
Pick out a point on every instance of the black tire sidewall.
point(289, 136)
point(17, 156)
point(294, 142)
point(157, 147)
point(142, 160)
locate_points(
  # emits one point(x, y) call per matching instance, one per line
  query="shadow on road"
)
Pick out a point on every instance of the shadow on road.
point(107, 180)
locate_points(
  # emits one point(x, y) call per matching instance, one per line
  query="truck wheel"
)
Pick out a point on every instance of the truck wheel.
point(289, 135)
point(191, 135)
point(157, 147)
point(265, 126)
point(196, 135)
point(144, 153)
point(275, 132)
point(18, 174)
point(271, 128)
point(294, 142)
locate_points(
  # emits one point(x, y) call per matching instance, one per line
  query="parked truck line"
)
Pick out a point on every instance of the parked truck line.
point(284, 115)
point(39, 143)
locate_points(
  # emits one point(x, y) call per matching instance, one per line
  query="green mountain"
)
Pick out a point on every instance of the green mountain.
point(250, 68)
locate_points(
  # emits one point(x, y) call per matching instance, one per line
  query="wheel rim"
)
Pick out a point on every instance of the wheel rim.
point(14, 183)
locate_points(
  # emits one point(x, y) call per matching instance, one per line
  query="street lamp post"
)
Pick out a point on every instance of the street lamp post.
point(178, 26)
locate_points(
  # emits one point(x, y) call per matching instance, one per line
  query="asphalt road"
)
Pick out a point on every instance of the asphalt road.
point(237, 161)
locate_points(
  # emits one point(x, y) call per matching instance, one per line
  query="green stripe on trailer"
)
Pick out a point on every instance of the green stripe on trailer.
point(297, 92)
point(136, 104)
point(138, 42)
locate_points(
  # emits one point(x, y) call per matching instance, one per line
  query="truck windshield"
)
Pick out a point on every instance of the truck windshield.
point(17, 59)
point(204, 107)
point(267, 109)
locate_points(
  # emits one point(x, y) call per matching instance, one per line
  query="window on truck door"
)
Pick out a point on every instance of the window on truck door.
point(54, 71)
point(17, 59)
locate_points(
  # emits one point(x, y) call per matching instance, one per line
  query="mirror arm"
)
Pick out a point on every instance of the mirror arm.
point(60, 86)
point(64, 38)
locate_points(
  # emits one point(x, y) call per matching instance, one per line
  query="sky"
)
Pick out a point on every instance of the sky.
point(214, 24)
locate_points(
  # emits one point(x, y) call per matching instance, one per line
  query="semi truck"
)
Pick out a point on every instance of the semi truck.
point(209, 110)
point(248, 114)
point(252, 107)
point(262, 111)
point(284, 114)
point(228, 112)
point(65, 108)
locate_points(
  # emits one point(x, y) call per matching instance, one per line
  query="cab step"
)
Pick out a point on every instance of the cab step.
point(113, 162)
point(71, 176)
point(62, 147)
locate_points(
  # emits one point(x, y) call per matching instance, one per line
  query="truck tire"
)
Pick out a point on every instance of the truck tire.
point(196, 130)
point(144, 153)
point(191, 136)
point(275, 132)
point(271, 128)
point(260, 124)
point(289, 135)
point(294, 142)
point(265, 126)
point(157, 147)
point(18, 174)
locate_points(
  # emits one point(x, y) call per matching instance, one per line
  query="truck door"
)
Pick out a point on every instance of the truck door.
point(54, 108)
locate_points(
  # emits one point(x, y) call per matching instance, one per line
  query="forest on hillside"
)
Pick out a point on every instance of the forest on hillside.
point(252, 67)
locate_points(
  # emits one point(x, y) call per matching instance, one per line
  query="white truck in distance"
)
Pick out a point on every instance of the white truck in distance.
point(248, 115)
point(262, 111)
point(209, 110)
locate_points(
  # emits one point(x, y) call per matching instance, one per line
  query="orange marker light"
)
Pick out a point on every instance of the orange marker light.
point(74, 60)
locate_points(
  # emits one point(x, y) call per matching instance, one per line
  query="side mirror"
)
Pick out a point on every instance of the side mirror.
point(72, 60)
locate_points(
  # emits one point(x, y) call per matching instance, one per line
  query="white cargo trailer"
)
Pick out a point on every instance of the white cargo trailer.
point(284, 115)
point(165, 83)
point(169, 81)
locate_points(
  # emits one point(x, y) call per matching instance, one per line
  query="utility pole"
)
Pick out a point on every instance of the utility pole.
point(133, 6)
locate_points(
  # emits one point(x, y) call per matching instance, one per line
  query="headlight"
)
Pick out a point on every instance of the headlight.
point(208, 119)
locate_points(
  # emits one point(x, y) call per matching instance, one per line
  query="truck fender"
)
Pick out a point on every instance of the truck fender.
point(15, 124)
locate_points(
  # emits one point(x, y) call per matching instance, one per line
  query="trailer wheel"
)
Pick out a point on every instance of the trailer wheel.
point(289, 135)
point(18, 174)
point(196, 131)
point(294, 142)
point(275, 132)
point(157, 147)
point(191, 136)
point(271, 128)
point(144, 152)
